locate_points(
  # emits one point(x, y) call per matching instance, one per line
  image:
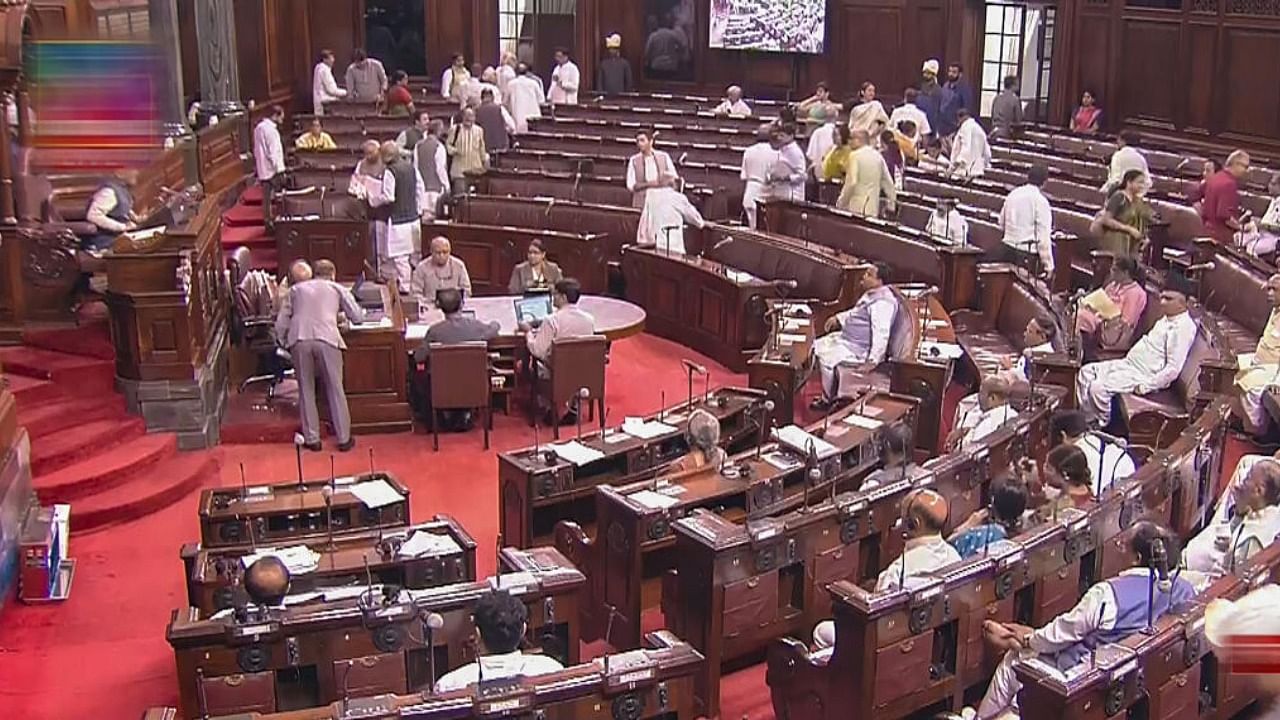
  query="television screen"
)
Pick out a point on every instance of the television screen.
point(789, 26)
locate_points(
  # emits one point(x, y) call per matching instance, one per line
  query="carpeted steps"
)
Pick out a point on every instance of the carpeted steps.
point(29, 391)
point(106, 470)
point(242, 226)
point(58, 414)
point(85, 375)
point(158, 487)
point(73, 445)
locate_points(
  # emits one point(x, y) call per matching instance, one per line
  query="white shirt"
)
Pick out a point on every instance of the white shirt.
point(1107, 462)
point(388, 193)
point(1122, 161)
point(980, 423)
point(951, 228)
point(1096, 612)
point(506, 74)
point(820, 143)
point(442, 165)
point(525, 97)
point(566, 322)
point(652, 169)
point(1246, 536)
point(268, 151)
point(757, 161)
point(565, 80)
point(1027, 221)
point(970, 152)
point(738, 108)
point(922, 555)
point(1160, 354)
point(103, 202)
point(498, 666)
point(324, 88)
point(915, 115)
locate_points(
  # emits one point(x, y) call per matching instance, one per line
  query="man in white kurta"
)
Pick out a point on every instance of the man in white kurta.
point(859, 335)
point(1259, 370)
point(324, 89)
point(989, 415)
point(1248, 520)
point(946, 224)
point(1027, 220)
point(791, 171)
point(454, 79)
point(1152, 364)
point(970, 152)
point(403, 234)
point(565, 80)
point(524, 98)
point(757, 164)
point(1037, 337)
point(909, 111)
point(821, 142)
point(1126, 157)
point(866, 177)
point(654, 183)
point(733, 104)
point(1108, 462)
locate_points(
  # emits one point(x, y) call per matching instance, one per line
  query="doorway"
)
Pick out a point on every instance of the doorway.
point(533, 29)
point(1018, 42)
point(393, 31)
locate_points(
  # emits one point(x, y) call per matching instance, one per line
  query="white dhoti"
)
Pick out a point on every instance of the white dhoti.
point(1001, 699)
point(1252, 384)
point(1202, 551)
point(831, 351)
point(663, 218)
point(1258, 242)
point(428, 213)
point(396, 246)
point(1098, 382)
point(754, 193)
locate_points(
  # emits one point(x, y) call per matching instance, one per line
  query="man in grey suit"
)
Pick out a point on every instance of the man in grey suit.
point(455, 328)
point(308, 325)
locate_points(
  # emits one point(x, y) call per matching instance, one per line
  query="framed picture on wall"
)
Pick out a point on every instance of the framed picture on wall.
point(786, 26)
point(670, 26)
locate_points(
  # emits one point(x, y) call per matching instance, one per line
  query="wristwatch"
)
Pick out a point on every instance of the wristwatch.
point(1025, 641)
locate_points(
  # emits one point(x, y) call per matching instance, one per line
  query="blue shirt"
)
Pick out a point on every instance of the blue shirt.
point(971, 542)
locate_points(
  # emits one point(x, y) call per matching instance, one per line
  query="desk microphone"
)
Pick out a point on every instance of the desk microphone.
point(766, 419)
point(431, 622)
point(1029, 367)
point(498, 554)
point(662, 405)
point(346, 697)
point(1108, 437)
point(368, 576)
point(298, 442)
point(691, 368)
point(608, 632)
point(326, 492)
point(706, 386)
point(1235, 544)
point(244, 488)
point(812, 475)
point(583, 394)
point(371, 470)
point(202, 702)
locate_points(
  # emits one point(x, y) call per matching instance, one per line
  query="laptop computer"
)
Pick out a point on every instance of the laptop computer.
point(532, 308)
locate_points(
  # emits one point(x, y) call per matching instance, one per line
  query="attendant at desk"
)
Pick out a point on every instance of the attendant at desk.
point(568, 321)
point(923, 518)
point(733, 105)
point(1126, 291)
point(1263, 371)
point(111, 210)
point(399, 241)
point(536, 273)
point(1000, 521)
point(1250, 525)
point(439, 271)
point(1151, 365)
point(1260, 237)
point(705, 452)
point(308, 325)
point(455, 328)
point(501, 623)
point(895, 459)
point(992, 412)
point(1107, 461)
point(1109, 612)
point(315, 138)
point(859, 335)
point(946, 224)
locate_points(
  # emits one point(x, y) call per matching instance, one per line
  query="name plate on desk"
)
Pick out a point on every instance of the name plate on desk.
point(379, 706)
point(502, 697)
point(253, 632)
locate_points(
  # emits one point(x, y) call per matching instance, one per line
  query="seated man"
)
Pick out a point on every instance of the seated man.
point(1152, 364)
point(998, 522)
point(946, 224)
point(453, 329)
point(266, 581)
point(1037, 337)
point(733, 105)
point(704, 444)
point(895, 459)
point(501, 622)
point(857, 335)
point(1110, 611)
point(992, 412)
point(1263, 371)
point(111, 210)
point(568, 321)
point(439, 271)
point(1108, 462)
point(923, 517)
point(1251, 524)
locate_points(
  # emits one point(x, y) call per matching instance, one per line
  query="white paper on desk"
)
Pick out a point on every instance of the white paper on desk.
point(739, 276)
point(302, 598)
point(513, 582)
point(863, 422)
point(344, 593)
point(652, 500)
point(794, 437)
point(577, 453)
point(428, 543)
point(375, 493)
point(782, 461)
point(637, 427)
point(946, 351)
point(1173, 253)
point(616, 436)
point(795, 323)
point(937, 323)
point(384, 322)
point(298, 558)
point(790, 339)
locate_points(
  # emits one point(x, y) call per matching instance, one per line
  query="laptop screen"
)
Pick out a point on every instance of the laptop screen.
point(534, 307)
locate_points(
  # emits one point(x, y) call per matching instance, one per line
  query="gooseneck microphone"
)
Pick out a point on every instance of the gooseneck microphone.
point(431, 622)
point(298, 442)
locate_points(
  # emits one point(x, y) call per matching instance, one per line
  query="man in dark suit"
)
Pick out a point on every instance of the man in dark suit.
point(453, 329)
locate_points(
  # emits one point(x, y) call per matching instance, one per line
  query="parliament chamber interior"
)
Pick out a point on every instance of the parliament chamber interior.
point(639, 359)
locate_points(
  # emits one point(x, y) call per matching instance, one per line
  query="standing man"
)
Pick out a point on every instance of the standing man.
point(412, 135)
point(453, 82)
point(495, 121)
point(366, 78)
point(909, 111)
point(524, 95)
point(1220, 208)
point(268, 158)
point(648, 169)
point(440, 271)
point(308, 323)
point(958, 95)
point(432, 161)
point(757, 163)
point(791, 171)
point(565, 80)
point(466, 147)
point(1006, 109)
point(1126, 157)
point(404, 191)
point(866, 176)
point(970, 152)
point(1027, 221)
point(930, 101)
point(324, 89)
point(614, 76)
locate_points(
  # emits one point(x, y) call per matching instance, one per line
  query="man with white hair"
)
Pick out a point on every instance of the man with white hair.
point(1259, 370)
point(439, 271)
point(405, 192)
point(524, 98)
point(1247, 521)
point(732, 105)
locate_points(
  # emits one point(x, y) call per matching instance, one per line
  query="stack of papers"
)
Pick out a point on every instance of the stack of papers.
point(782, 461)
point(794, 437)
point(944, 351)
point(653, 501)
point(638, 428)
point(863, 422)
point(791, 339)
point(577, 453)
point(428, 543)
point(513, 582)
point(298, 558)
point(375, 493)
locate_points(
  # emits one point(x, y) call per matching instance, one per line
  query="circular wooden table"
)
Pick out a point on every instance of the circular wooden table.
point(615, 319)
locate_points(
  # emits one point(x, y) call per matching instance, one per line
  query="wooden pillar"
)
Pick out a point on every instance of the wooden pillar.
point(163, 20)
point(8, 208)
point(219, 72)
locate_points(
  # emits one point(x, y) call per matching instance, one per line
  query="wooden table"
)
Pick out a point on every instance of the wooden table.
point(615, 319)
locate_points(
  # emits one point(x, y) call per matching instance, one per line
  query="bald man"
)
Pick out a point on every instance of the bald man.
point(923, 517)
point(732, 105)
point(992, 412)
point(267, 581)
point(438, 271)
point(399, 241)
point(1250, 523)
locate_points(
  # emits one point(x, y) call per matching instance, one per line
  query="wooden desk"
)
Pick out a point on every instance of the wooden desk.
point(590, 145)
point(217, 576)
point(589, 186)
point(491, 252)
point(544, 213)
point(296, 657)
point(538, 489)
point(615, 319)
point(635, 545)
point(617, 110)
point(653, 683)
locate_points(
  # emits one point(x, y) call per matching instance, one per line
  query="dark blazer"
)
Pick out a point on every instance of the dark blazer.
point(522, 277)
point(456, 329)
